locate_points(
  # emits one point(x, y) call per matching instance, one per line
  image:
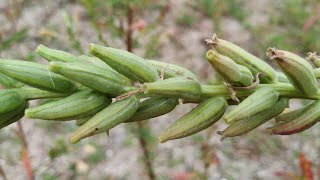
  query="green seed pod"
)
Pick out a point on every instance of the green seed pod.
point(98, 62)
point(309, 117)
point(49, 100)
point(243, 126)
point(78, 105)
point(126, 63)
point(282, 78)
point(174, 87)
point(36, 75)
point(81, 121)
point(225, 66)
point(55, 55)
point(91, 76)
point(153, 107)
point(284, 117)
point(298, 70)
point(172, 70)
point(9, 82)
point(111, 116)
point(10, 100)
point(30, 93)
point(246, 76)
point(258, 101)
point(316, 72)
point(95, 61)
point(10, 117)
point(242, 57)
point(314, 58)
point(198, 119)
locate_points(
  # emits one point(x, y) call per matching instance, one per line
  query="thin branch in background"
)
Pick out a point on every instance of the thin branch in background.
point(72, 35)
point(143, 143)
point(25, 152)
point(207, 155)
point(2, 173)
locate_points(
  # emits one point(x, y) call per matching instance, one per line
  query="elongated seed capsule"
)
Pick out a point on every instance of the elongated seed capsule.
point(172, 70)
point(298, 70)
point(307, 119)
point(126, 63)
point(30, 93)
point(49, 100)
point(246, 76)
point(55, 55)
point(243, 126)
point(9, 82)
point(81, 121)
point(198, 119)
point(153, 107)
point(111, 116)
point(314, 58)
point(91, 76)
point(10, 117)
point(289, 115)
point(78, 105)
point(316, 72)
point(258, 101)
point(94, 61)
point(174, 87)
point(227, 68)
point(98, 62)
point(36, 75)
point(9, 100)
point(244, 58)
point(282, 78)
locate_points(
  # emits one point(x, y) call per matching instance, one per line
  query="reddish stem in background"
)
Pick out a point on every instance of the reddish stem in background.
point(25, 152)
point(142, 141)
point(129, 30)
point(2, 173)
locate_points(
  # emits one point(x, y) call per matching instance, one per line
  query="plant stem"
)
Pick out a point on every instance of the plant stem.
point(285, 90)
point(2, 173)
point(25, 152)
point(143, 143)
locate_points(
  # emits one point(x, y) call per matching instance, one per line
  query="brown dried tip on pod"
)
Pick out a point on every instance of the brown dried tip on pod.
point(298, 70)
point(244, 58)
point(312, 56)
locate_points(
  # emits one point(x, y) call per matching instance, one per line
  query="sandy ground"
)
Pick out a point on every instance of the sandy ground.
point(253, 156)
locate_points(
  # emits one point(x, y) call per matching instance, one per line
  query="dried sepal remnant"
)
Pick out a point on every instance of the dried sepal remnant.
point(312, 56)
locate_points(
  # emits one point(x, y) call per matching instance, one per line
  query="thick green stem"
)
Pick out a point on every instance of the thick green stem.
point(285, 90)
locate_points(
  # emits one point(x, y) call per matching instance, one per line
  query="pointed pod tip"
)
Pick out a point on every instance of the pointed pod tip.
point(74, 139)
point(162, 139)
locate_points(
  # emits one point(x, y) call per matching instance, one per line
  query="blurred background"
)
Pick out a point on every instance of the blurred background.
point(171, 31)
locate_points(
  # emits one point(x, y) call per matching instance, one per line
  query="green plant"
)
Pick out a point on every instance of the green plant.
point(183, 81)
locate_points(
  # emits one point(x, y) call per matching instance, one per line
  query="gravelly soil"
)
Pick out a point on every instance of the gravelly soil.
point(253, 156)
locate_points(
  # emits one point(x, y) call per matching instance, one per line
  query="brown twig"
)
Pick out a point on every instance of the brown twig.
point(142, 141)
point(2, 173)
point(25, 152)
